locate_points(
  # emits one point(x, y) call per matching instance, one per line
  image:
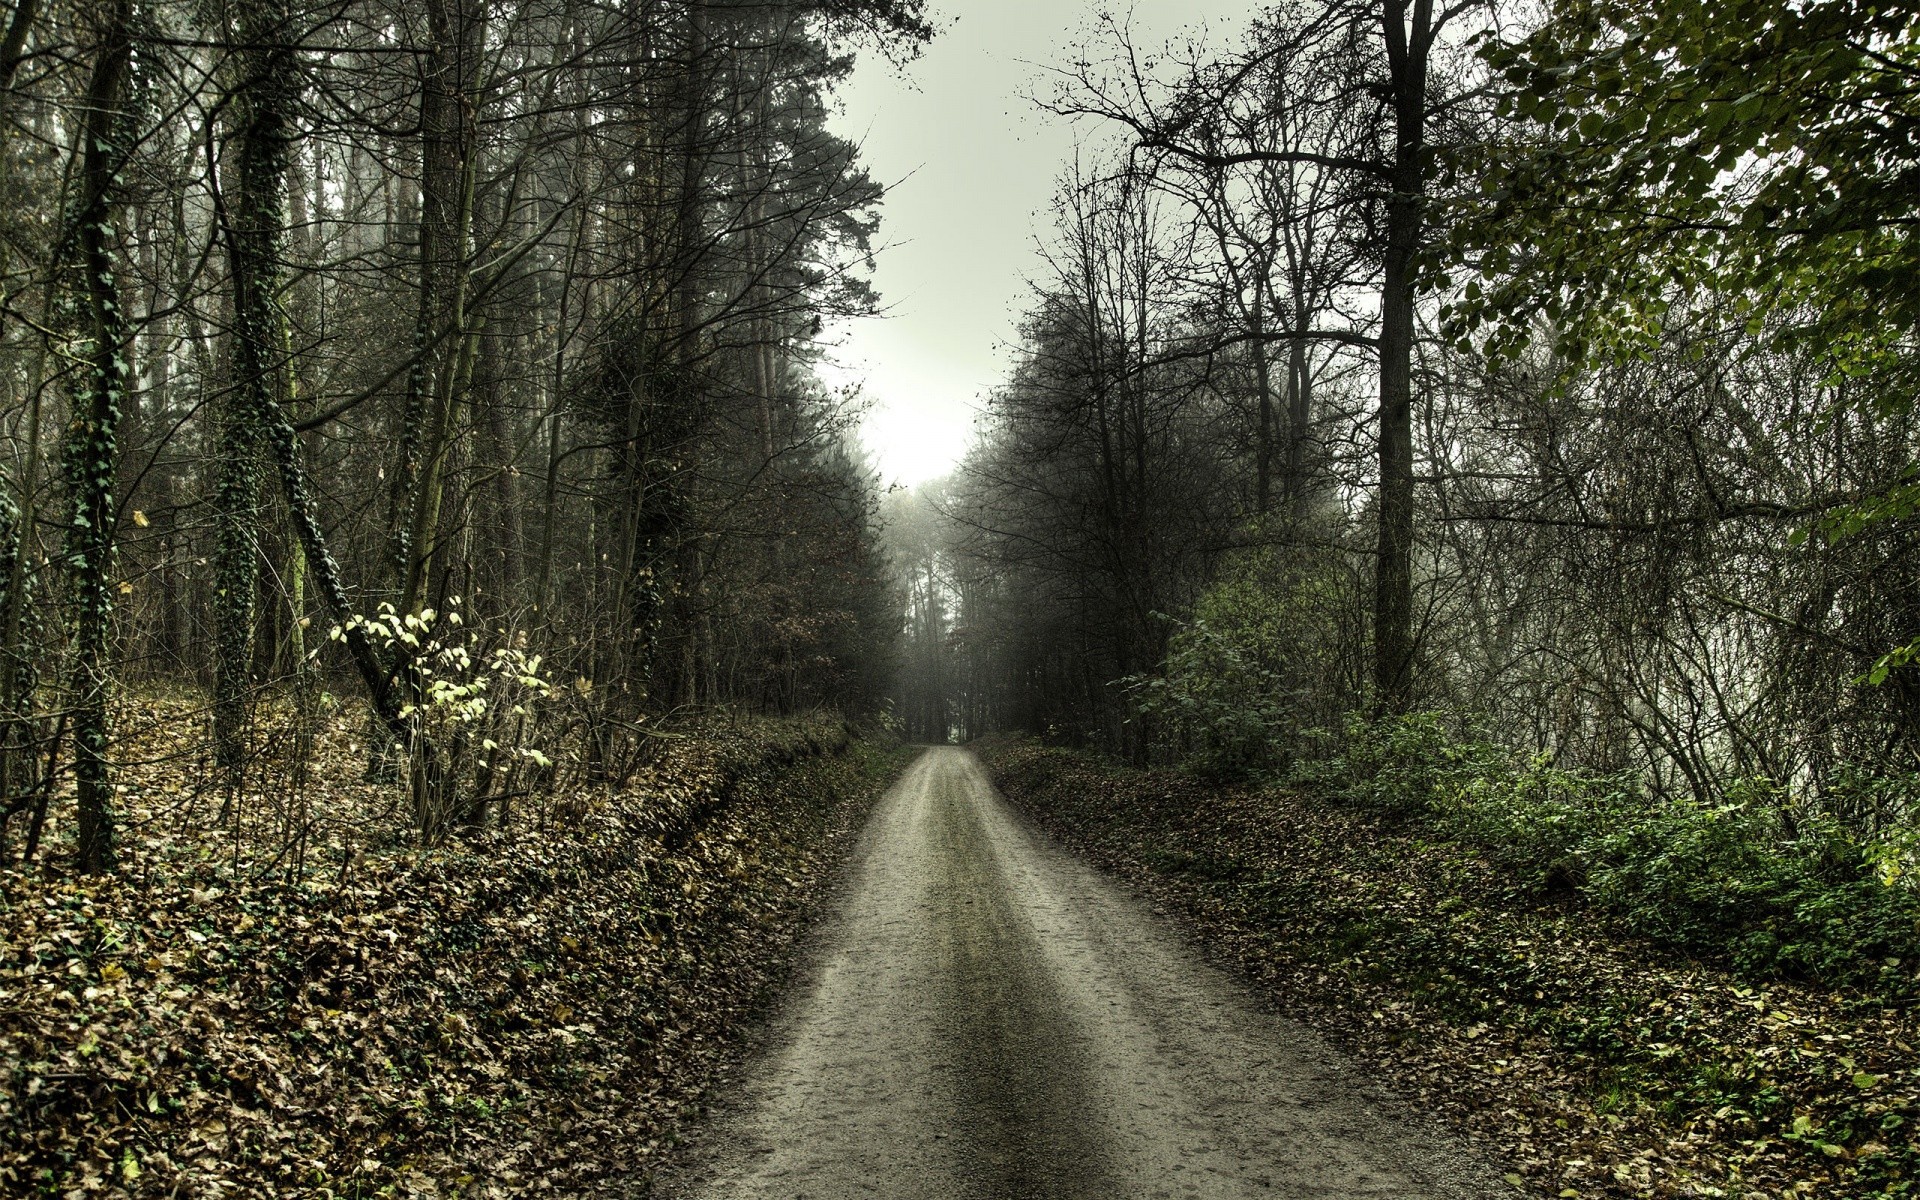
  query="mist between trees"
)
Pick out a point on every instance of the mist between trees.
point(448, 354)
point(1413, 386)
point(453, 360)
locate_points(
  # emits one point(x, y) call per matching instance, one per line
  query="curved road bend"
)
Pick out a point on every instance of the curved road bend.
point(988, 1018)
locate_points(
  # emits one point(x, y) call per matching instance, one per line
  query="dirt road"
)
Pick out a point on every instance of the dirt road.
point(987, 1018)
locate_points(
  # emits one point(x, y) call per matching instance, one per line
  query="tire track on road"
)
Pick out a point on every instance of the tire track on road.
point(988, 1018)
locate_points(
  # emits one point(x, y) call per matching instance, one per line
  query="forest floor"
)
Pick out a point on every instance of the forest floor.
point(986, 1017)
point(526, 1010)
point(1591, 1064)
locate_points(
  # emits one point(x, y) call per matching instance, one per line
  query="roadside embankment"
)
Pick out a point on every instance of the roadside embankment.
point(1595, 1064)
point(517, 1012)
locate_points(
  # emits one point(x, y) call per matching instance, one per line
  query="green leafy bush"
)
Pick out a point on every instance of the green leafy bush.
point(1260, 660)
point(1774, 897)
point(1756, 880)
point(1217, 704)
point(1401, 766)
point(1538, 820)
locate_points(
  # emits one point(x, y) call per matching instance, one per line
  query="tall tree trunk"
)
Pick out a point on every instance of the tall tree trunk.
point(1393, 643)
point(1299, 413)
point(503, 536)
point(20, 776)
point(652, 503)
point(442, 341)
point(570, 269)
point(262, 102)
point(13, 44)
point(92, 448)
point(15, 664)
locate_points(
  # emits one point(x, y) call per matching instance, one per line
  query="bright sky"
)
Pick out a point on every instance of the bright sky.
point(970, 165)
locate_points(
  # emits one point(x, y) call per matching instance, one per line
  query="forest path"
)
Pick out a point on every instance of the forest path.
point(987, 1017)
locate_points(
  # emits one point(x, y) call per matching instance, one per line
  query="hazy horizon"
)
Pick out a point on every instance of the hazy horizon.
point(956, 253)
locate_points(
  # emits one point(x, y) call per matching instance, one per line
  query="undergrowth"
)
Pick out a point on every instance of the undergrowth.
point(1758, 881)
point(526, 1008)
point(1532, 953)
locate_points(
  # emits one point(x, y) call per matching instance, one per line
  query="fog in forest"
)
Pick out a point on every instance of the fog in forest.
point(653, 597)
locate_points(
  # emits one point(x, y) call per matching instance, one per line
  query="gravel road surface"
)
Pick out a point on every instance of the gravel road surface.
point(987, 1018)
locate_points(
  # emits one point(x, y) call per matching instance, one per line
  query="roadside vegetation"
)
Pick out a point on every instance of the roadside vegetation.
point(1673, 1005)
point(434, 583)
point(1769, 883)
point(533, 1008)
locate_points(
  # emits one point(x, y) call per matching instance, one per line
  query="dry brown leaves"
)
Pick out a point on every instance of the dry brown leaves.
point(1593, 1065)
point(521, 1012)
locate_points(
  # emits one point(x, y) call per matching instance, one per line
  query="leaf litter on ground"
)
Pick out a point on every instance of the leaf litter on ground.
point(526, 1010)
point(1594, 1065)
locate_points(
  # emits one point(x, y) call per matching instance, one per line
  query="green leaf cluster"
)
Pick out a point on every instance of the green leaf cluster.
point(1763, 150)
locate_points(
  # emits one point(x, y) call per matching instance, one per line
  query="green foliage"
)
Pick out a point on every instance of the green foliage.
point(1755, 149)
point(1759, 880)
point(1399, 765)
point(1258, 662)
point(1777, 899)
point(1754, 161)
point(1217, 701)
point(475, 708)
point(1534, 817)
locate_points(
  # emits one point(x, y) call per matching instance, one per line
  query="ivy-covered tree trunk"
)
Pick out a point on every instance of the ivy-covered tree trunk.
point(16, 670)
point(283, 446)
point(262, 102)
point(92, 450)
